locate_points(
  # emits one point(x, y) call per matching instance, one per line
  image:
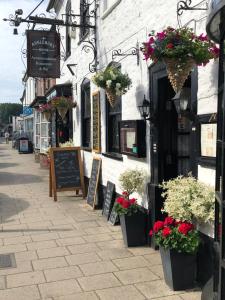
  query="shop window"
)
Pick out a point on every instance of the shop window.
point(44, 136)
point(37, 131)
point(207, 133)
point(68, 20)
point(86, 113)
point(84, 18)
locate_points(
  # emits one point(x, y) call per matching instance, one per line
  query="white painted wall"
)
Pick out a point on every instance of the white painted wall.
point(121, 25)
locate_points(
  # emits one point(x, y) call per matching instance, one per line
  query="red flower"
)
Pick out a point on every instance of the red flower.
point(169, 221)
point(120, 200)
point(166, 231)
point(158, 225)
point(125, 203)
point(151, 232)
point(125, 193)
point(132, 201)
point(184, 228)
point(169, 46)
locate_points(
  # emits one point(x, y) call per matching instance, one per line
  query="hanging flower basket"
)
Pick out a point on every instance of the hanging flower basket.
point(47, 115)
point(46, 109)
point(62, 112)
point(113, 81)
point(180, 49)
point(178, 71)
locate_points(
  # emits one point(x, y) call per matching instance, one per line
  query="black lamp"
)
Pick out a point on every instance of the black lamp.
point(15, 31)
point(181, 100)
point(145, 109)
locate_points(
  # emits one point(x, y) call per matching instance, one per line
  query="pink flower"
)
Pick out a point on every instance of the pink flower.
point(161, 35)
point(215, 51)
point(203, 38)
point(151, 41)
point(151, 232)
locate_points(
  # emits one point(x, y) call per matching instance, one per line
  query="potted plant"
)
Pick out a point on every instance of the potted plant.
point(178, 243)
point(113, 81)
point(46, 109)
point(63, 104)
point(180, 49)
point(133, 217)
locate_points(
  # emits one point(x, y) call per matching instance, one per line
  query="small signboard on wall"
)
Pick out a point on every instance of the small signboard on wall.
point(96, 122)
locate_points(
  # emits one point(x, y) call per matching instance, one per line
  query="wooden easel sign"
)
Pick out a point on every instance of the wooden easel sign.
point(93, 182)
point(66, 171)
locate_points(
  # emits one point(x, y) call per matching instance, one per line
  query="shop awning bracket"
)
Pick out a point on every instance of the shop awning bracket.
point(133, 51)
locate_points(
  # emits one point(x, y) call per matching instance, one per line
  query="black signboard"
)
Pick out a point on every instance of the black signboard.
point(43, 54)
point(109, 199)
point(66, 170)
point(113, 218)
point(93, 182)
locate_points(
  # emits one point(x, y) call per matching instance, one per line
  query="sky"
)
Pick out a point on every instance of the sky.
point(12, 68)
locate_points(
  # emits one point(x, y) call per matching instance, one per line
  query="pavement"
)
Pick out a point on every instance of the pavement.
point(65, 250)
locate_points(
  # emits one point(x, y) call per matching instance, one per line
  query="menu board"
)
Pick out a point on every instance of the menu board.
point(93, 182)
point(96, 122)
point(109, 199)
point(208, 139)
point(66, 170)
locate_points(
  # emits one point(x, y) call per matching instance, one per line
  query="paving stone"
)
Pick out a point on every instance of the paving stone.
point(41, 245)
point(52, 252)
point(173, 297)
point(22, 266)
point(20, 293)
point(2, 283)
point(135, 275)
point(130, 262)
point(59, 288)
point(153, 259)
point(26, 256)
point(155, 289)
point(84, 248)
point(70, 241)
point(97, 230)
point(119, 244)
point(96, 282)
point(78, 259)
point(158, 270)
point(114, 253)
point(191, 295)
point(13, 248)
point(17, 240)
point(98, 268)
point(71, 233)
point(127, 292)
point(87, 224)
point(142, 250)
point(23, 279)
point(62, 273)
point(79, 296)
point(97, 238)
point(49, 263)
point(45, 236)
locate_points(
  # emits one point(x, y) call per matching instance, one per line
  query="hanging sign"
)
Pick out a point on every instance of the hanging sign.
point(43, 54)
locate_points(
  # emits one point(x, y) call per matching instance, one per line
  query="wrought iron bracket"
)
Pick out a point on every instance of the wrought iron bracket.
point(130, 52)
point(70, 66)
point(186, 5)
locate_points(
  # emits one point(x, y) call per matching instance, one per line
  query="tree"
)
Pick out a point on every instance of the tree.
point(9, 109)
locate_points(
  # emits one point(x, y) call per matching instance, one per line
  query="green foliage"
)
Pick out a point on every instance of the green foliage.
point(112, 79)
point(9, 109)
point(188, 199)
point(132, 180)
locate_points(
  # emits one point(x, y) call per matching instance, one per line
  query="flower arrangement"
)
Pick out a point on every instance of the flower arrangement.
point(126, 206)
point(180, 49)
point(63, 102)
point(132, 180)
point(45, 107)
point(179, 236)
point(67, 144)
point(180, 43)
point(113, 81)
point(187, 199)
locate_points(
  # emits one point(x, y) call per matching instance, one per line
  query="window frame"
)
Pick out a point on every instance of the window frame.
point(84, 19)
point(68, 20)
point(85, 119)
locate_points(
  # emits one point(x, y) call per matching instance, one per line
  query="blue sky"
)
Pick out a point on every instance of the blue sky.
point(11, 66)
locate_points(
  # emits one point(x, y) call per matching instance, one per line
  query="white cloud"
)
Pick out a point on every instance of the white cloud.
point(11, 66)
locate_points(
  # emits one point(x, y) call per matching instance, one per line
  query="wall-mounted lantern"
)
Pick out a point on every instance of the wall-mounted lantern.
point(146, 111)
point(181, 100)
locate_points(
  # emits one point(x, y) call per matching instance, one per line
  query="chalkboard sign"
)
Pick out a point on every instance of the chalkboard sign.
point(109, 199)
point(66, 170)
point(113, 218)
point(93, 182)
point(96, 132)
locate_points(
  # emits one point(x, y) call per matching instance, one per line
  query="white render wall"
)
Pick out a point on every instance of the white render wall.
point(121, 25)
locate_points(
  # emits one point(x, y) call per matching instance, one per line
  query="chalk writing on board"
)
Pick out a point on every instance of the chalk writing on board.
point(109, 199)
point(93, 182)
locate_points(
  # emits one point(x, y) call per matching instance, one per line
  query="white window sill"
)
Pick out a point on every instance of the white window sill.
point(110, 9)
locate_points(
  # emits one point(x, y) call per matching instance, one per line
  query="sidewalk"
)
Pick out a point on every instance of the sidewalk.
point(65, 250)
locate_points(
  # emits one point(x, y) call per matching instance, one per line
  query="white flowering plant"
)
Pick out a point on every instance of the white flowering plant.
point(132, 180)
point(187, 199)
point(67, 144)
point(112, 79)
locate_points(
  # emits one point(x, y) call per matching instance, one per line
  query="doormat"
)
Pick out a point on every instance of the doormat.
point(7, 261)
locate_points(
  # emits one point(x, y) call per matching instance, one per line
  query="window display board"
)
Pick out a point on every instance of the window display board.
point(66, 171)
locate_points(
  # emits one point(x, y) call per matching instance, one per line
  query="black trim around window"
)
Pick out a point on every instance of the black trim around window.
point(84, 19)
point(68, 20)
point(207, 161)
point(86, 114)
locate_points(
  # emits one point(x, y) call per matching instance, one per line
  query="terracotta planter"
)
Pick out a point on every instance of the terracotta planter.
point(134, 229)
point(179, 269)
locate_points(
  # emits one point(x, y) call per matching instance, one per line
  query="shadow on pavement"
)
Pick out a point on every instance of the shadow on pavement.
point(8, 178)
point(10, 207)
point(7, 165)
